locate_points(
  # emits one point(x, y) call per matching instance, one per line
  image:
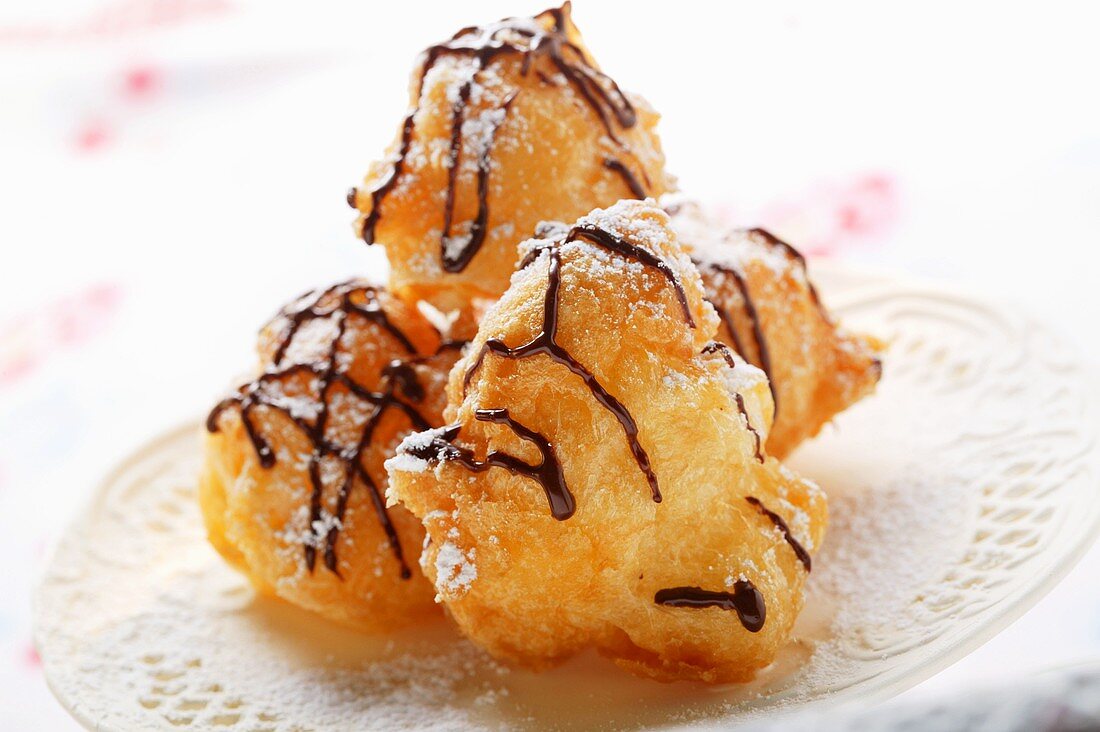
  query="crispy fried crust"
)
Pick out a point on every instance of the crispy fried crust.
point(551, 138)
point(772, 317)
point(533, 588)
point(260, 517)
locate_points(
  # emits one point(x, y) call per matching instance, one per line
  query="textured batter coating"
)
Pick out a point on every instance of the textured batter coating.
point(602, 482)
point(772, 316)
point(292, 491)
point(510, 124)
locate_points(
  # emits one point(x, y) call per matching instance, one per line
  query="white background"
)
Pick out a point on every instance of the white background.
point(170, 173)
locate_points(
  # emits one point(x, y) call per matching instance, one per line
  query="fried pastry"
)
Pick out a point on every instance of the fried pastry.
point(772, 316)
point(510, 124)
point(293, 485)
point(603, 480)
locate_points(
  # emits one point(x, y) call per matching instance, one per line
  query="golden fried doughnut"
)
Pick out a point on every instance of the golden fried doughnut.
point(510, 124)
point(293, 485)
point(772, 316)
point(602, 482)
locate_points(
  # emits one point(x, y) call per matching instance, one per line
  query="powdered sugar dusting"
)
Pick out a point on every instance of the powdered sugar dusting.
point(888, 539)
point(644, 224)
point(403, 461)
point(947, 518)
point(708, 239)
point(455, 570)
point(742, 377)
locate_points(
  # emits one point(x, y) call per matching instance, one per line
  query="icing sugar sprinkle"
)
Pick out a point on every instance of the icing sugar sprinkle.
point(455, 570)
point(402, 461)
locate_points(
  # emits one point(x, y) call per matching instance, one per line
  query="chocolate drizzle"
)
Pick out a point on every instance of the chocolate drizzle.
point(618, 245)
point(547, 472)
point(456, 262)
point(775, 242)
point(793, 253)
point(745, 600)
point(347, 297)
point(544, 36)
point(624, 172)
point(727, 322)
point(757, 452)
point(762, 356)
point(718, 347)
point(799, 550)
point(383, 189)
point(400, 389)
point(545, 343)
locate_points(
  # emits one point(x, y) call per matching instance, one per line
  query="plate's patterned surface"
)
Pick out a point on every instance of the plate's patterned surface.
point(959, 494)
point(989, 426)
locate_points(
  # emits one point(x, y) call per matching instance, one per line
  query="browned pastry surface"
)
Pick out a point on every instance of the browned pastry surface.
point(292, 491)
point(772, 316)
point(602, 481)
point(510, 124)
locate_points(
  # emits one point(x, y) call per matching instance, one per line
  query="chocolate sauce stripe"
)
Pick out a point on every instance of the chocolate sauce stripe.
point(763, 354)
point(399, 374)
point(547, 473)
point(371, 309)
point(793, 253)
point(616, 244)
point(599, 91)
point(632, 183)
point(533, 254)
point(758, 452)
point(727, 323)
point(799, 550)
point(545, 343)
point(719, 347)
point(296, 317)
point(380, 508)
point(458, 116)
point(745, 600)
point(480, 224)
